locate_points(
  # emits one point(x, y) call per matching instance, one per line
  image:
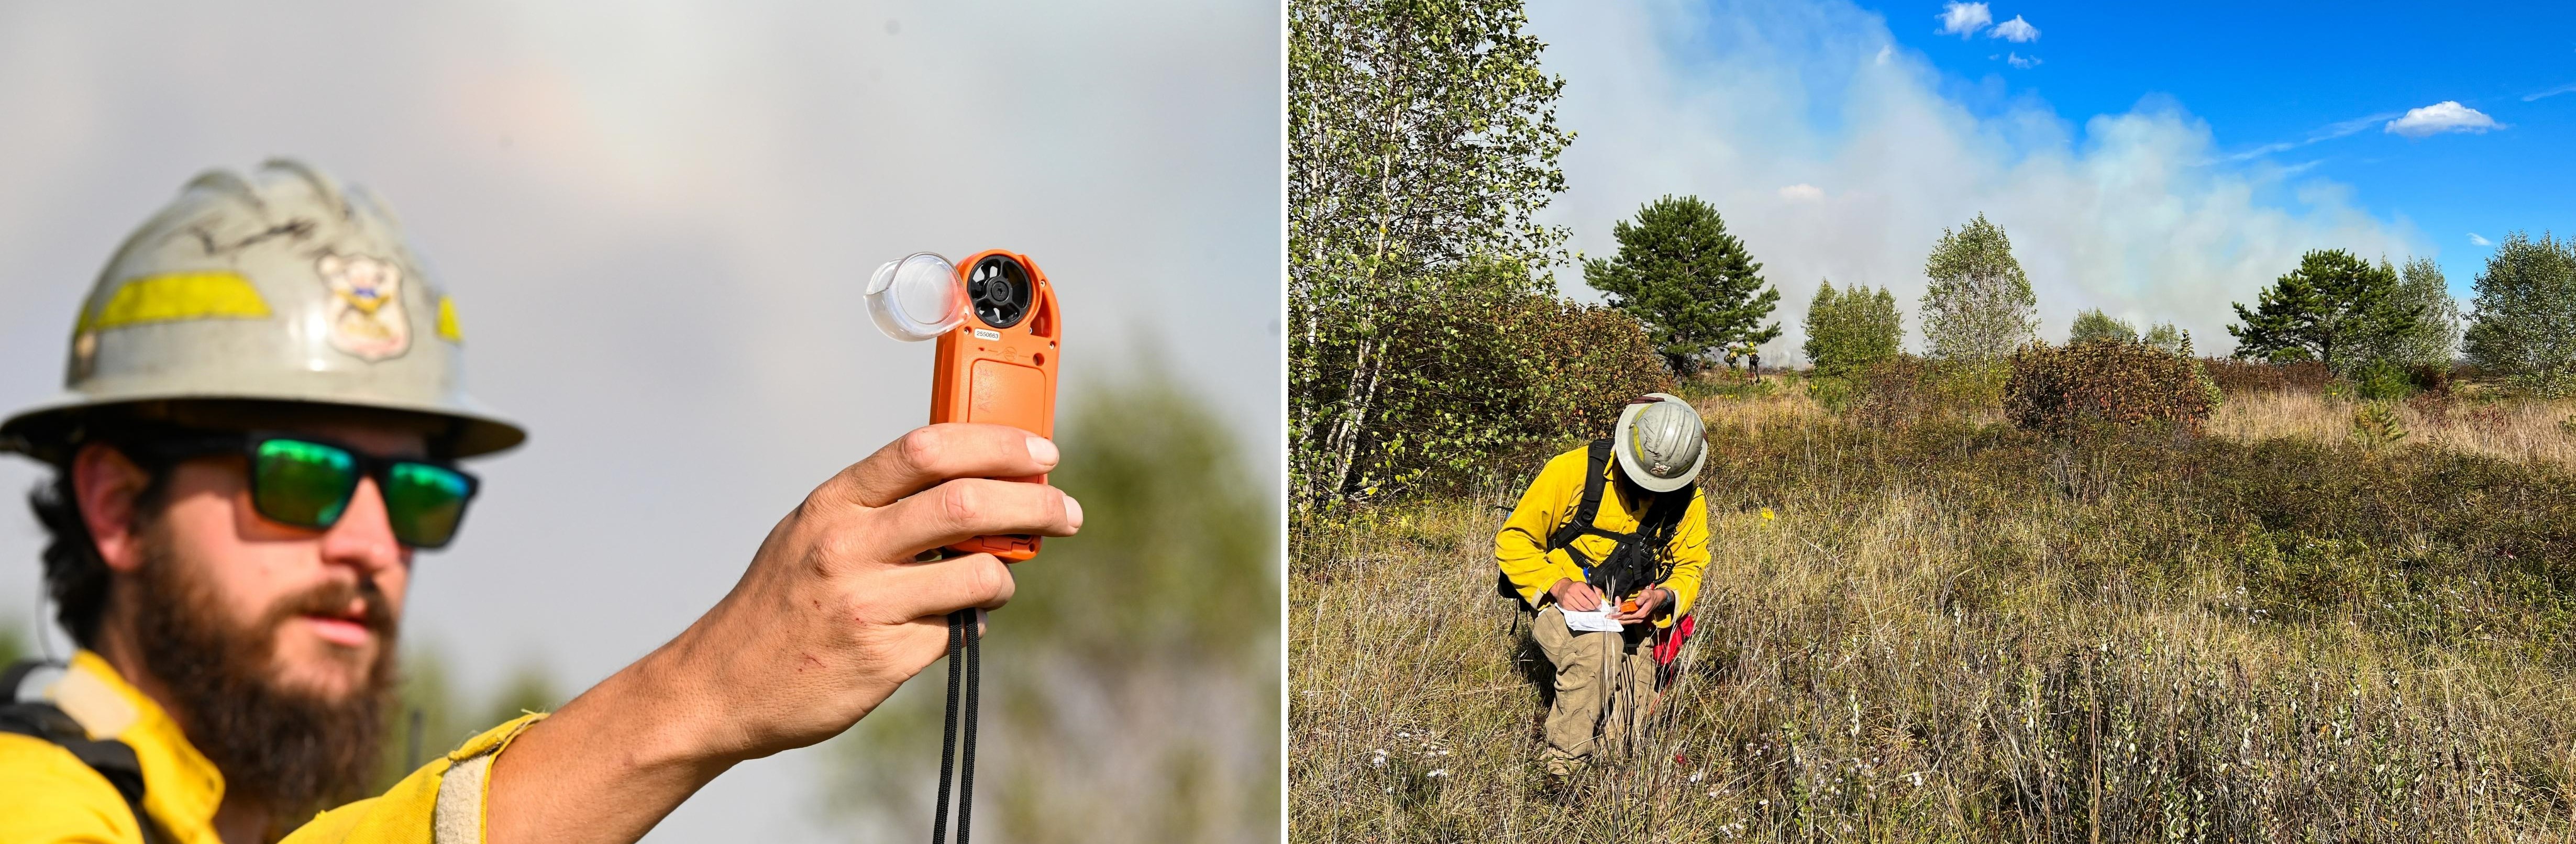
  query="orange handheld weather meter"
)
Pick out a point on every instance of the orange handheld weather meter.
point(998, 365)
point(999, 331)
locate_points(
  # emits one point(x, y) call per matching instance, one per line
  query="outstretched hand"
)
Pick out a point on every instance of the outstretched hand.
point(837, 609)
point(836, 612)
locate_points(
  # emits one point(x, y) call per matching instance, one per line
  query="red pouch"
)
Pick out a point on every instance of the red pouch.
point(1668, 644)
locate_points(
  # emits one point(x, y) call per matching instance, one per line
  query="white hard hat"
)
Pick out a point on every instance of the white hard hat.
point(1661, 444)
point(277, 288)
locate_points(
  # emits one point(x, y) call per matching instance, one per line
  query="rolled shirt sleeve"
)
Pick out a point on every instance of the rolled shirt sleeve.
point(441, 803)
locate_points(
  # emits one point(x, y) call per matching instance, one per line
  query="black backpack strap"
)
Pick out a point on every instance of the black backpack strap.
point(41, 719)
point(1662, 513)
point(1596, 468)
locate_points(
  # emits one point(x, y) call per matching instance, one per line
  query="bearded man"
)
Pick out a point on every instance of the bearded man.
point(245, 466)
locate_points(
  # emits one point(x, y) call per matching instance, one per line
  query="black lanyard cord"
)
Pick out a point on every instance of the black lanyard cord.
point(965, 659)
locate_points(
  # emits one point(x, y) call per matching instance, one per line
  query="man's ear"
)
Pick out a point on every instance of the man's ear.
point(105, 484)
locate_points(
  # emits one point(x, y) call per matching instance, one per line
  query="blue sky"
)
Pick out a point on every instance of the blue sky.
point(2266, 77)
point(2158, 163)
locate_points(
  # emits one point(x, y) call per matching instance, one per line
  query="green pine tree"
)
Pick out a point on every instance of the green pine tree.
point(2335, 308)
point(1692, 284)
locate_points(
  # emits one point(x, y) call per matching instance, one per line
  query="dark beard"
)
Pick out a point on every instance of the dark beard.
point(288, 751)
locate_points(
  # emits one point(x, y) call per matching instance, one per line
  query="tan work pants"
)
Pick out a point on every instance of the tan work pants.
point(1597, 674)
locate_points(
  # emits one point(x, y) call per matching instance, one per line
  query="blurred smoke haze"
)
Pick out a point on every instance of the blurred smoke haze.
point(1836, 152)
point(655, 218)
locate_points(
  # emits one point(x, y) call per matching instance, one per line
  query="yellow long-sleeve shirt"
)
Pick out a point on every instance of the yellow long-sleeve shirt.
point(1552, 498)
point(48, 796)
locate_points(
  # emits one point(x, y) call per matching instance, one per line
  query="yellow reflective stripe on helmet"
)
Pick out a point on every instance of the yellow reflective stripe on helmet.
point(447, 328)
point(172, 297)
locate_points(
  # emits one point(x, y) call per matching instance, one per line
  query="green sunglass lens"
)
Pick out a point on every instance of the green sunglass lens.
point(302, 484)
point(425, 503)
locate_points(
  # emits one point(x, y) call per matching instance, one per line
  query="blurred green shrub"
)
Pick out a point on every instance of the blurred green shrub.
point(1131, 687)
point(431, 716)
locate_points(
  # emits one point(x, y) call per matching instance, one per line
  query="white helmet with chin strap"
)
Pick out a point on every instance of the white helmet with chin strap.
point(1661, 443)
point(278, 288)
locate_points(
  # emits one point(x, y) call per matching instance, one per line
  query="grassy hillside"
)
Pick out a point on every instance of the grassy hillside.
point(1953, 631)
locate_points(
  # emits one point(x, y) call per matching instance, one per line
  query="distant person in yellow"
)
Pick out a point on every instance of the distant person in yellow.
point(262, 424)
point(1609, 543)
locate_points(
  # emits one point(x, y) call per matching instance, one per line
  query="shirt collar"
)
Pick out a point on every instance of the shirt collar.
point(181, 787)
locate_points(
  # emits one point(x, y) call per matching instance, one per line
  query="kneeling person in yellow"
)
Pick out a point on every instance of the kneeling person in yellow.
point(1637, 560)
point(262, 428)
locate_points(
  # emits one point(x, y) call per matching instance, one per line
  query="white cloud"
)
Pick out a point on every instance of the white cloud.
point(2022, 61)
point(2476, 239)
point(1802, 192)
point(1729, 100)
point(1884, 54)
point(2015, 30)
point(2562, 89)
point(2444, 116)
point(1963, 19)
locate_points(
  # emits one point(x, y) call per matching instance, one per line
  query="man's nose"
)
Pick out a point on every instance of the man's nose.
point(364, 537)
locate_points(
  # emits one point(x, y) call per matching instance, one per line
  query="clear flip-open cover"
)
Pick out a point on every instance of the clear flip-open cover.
point(916, 298)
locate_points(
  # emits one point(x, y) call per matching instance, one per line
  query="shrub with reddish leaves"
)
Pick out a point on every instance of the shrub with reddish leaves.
point(1895, 391)
point(2056, 389)
point(2243, 376)
point(1581, 365)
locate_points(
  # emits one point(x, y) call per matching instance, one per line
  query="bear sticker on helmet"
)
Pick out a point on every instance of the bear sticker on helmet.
point(366, 309)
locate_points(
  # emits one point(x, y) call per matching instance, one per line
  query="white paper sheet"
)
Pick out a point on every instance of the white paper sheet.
point(1596, 621)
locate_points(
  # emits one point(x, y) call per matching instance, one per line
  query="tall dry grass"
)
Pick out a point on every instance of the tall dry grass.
point(2508, 429)
point(1960, 633)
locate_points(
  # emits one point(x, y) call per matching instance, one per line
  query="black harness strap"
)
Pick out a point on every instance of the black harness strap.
point(1596, 459)
point(41, 719)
